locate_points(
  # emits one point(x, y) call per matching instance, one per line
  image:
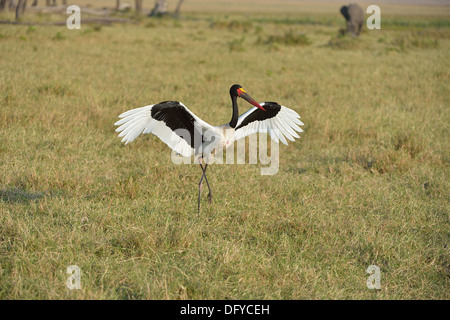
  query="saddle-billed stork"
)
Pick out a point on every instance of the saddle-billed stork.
point(181, 130)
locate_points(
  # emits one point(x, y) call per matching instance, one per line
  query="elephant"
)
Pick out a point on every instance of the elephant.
point(354, 16)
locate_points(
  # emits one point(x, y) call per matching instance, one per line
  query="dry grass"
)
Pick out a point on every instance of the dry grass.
point(366, 184)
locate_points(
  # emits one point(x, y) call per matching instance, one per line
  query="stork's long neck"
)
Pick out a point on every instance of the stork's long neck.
point(235, 116)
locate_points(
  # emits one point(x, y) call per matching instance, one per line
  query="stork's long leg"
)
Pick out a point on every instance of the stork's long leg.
point(207, 183)
point(200, 190)
point(200, 186)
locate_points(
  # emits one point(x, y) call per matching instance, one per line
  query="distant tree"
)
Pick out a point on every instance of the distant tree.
point(49, 3)
point(11, 5)
point(177, 10)
point(138, 6)
point(20, 5)
point(20, 9)
point(2, 5)
point(160, 8)
point(117, 5)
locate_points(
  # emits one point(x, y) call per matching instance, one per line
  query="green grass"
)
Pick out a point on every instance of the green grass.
point(366, 184)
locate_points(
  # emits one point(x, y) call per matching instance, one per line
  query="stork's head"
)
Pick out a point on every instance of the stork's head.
point(237, 91)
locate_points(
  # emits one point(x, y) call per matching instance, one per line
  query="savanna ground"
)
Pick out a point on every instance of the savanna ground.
point(366, 184)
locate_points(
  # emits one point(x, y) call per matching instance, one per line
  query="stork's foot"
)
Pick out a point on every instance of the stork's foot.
point(210, 198)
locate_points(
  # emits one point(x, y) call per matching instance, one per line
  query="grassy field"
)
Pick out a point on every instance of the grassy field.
point(367, 183)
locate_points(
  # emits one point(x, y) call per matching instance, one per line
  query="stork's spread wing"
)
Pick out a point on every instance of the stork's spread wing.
point(170, 121)
point(277, 120)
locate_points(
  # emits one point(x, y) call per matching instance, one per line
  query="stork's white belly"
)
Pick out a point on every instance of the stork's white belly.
point(228, 137)
point(216, 140)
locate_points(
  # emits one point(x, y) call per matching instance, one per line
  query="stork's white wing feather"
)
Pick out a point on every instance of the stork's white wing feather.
point(285, 124)
point(140, 120)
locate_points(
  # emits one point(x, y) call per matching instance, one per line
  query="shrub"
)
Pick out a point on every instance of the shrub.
point(289, 38)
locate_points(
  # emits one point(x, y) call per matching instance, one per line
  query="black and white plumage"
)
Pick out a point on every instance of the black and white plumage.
point(278, 121)
point(164, 120)
point(189, 135)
